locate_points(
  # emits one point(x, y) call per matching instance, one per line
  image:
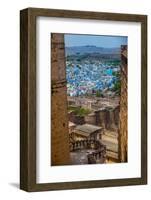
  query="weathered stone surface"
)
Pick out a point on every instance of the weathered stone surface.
point(91, 119)
point(103, 117)
point(59, 117)
point(108, 118)
point(76, 118)
point(123, 135)
point(116, 116)
point(87, 152)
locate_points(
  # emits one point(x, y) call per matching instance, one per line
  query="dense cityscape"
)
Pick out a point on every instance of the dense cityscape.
point(93, 89)
point(89, 99)
point(89, 78)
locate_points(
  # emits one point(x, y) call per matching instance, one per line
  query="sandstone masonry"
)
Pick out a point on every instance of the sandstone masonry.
point(59, 117)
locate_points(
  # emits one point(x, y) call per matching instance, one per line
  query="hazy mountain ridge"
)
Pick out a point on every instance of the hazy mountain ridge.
point(74, 50)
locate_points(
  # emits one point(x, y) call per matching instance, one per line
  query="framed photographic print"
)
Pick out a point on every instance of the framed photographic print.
point(83, 99)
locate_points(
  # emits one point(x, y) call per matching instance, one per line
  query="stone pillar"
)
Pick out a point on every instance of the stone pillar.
point(59, 117)
point(123, 135)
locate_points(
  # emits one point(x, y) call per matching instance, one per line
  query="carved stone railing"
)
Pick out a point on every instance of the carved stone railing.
point(99, 153)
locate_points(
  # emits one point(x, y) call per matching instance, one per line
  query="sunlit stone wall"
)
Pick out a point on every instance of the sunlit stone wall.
point(123, 135)
point(59, 116)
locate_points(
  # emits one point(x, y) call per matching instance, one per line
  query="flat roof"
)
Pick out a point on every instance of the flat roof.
point(87, 128)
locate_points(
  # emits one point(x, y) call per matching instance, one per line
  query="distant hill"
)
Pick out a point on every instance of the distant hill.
point(88, 49)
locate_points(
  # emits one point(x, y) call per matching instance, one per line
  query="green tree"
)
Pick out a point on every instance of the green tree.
point(117, 87)
point(99, 94)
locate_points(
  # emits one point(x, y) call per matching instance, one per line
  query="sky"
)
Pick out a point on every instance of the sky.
point(96, 40)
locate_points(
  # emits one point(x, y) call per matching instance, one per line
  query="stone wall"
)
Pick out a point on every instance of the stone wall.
point(106, 118)
point(90, 119)
point(59, 116)
point(123, 135)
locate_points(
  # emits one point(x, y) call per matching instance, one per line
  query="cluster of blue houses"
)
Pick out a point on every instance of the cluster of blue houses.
point(89, 78)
